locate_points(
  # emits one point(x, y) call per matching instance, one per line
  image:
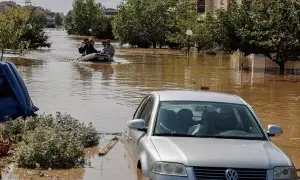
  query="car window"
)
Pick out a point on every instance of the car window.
point(147, 111)
point(138, 111)
point(207, 119)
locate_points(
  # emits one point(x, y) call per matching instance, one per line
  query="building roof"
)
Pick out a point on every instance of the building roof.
point(199, 96)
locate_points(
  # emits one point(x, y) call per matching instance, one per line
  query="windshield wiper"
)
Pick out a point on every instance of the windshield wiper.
point(175, 135)
point(231, 137)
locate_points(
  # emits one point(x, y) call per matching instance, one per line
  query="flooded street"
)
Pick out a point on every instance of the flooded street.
point(108, 94)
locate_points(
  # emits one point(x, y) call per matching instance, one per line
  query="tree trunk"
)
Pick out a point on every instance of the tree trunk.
point(282, 68)
point(154, 45)
point(2, 52)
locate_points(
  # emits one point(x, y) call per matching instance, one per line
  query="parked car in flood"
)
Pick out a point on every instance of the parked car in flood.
point(183, 135)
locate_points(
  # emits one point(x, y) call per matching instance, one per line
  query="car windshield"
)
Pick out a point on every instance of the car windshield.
point(207, 120)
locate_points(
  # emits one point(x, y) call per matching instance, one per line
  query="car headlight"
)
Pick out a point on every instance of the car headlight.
point(171, 169)
point(285, 173)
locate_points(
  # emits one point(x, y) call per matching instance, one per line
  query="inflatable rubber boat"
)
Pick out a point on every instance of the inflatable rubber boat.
point(96, 57)
point(14, 97)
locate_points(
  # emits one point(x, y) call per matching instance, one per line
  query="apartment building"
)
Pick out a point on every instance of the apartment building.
point(210, 6)
point(7, 4)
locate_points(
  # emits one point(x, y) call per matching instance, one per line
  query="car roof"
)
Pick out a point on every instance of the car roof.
point(199, 96)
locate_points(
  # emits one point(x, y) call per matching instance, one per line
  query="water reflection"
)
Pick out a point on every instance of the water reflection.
point(108, 94)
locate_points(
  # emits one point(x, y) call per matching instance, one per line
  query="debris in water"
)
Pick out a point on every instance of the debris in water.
point(109, 146)
point(204, 88)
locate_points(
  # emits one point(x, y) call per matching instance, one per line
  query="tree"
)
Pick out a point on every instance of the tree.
point(142, 23)
point(104, 29)
point(36, 36)
point(182, 15)
point(69, 25)
point(203, 33)
point(226, 31)
point(87, 18)
point(38, 17)
point(58, 19)
point(128, 26)
point(12, 24)
point(269, 27)
point(17, 34)
point(80, 18)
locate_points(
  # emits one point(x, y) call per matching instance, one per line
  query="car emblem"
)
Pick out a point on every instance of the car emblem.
point(231, 174)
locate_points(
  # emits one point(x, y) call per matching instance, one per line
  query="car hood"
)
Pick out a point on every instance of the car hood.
point(210, 152)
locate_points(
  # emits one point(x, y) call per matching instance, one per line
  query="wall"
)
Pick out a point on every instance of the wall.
point(261, 62)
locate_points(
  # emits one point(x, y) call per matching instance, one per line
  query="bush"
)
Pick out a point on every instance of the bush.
point(50, 141)
point(50, 148)
point(14, 129)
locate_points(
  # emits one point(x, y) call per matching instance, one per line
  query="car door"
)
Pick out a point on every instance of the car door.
point(128, 133)
point(135, 135)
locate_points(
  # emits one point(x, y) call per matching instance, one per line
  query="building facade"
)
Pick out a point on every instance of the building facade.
point(210, 6)
point(7, 4)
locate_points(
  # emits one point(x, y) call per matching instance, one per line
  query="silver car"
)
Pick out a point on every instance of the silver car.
point(183, 135)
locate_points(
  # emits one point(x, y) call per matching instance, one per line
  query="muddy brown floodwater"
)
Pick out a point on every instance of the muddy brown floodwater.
point(108, 94)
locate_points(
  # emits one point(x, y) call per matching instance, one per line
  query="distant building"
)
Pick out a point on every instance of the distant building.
point(110, 11)
point(51, 21)
point(211, 6)
point(7, 4)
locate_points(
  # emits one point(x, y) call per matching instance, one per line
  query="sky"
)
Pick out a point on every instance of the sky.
point(65, 5)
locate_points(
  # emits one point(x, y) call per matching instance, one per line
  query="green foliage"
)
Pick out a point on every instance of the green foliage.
point(12, 23)
point(164, 22)
point(14, 31)
point(38, 18)
point(48, 147)
point(59, 21)
point(86, 15)
point(14, 130)
point(181, 17)
point(50, 141)
point(142, 23)
point(69, 23)
point(129, 26)
point(36, 37)
point(269, 27)
point(104, 30)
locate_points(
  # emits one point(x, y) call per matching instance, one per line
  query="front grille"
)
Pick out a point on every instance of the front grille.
point(219, 173)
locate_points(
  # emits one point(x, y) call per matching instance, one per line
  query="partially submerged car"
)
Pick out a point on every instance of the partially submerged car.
point(14, 97)
point(183, 135)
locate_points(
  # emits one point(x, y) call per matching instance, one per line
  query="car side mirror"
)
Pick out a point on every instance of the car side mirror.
point(274, 130)
point(138, 124)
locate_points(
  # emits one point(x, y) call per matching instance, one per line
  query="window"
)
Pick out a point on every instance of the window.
point(147, 111)
point(139, 109)
point(207, 119)
point(222, 2)
point(201, 6)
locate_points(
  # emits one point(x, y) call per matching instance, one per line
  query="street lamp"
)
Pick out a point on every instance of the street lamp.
point(28, 27)
point(189, 33)
point(172, 9)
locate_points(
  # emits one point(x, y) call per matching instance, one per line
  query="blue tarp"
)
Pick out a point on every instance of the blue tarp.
point(18, 103)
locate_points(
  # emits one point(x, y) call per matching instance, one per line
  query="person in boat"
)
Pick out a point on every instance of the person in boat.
point(109, 50)
point(84, 47)
point(104, 47)
point(9, 107)
point(91, 48)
